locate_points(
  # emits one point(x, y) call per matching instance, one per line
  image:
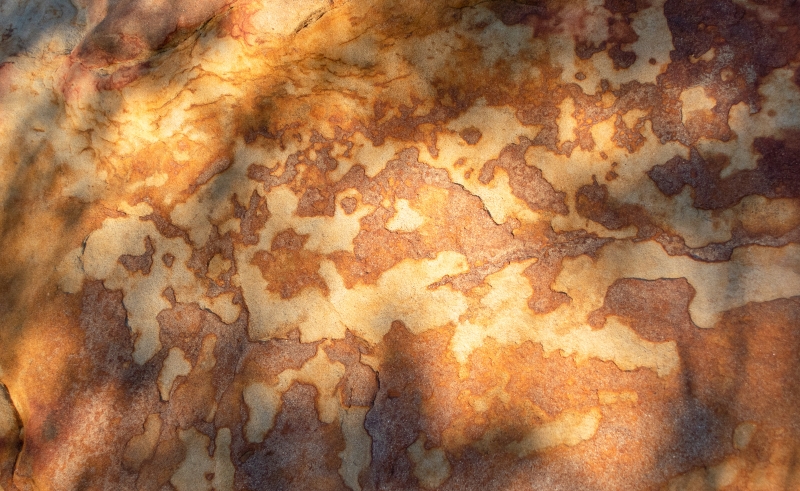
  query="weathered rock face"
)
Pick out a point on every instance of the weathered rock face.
point(400, 245)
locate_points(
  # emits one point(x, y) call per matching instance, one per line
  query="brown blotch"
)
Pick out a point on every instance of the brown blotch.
point(622, 59)
point(216, 167)
point(526, 181)
point(264, 361)
point(287, 267)
point(592, 201)
point(620, 6)
point(359, 385)
point(142, 262)
point(777, 175)
point(300, 452)
point(349, 204)
point(169, 294)
point(456, 220)
point(630, 139)
point(471, 135)
point(584, 50)
point(252, 219)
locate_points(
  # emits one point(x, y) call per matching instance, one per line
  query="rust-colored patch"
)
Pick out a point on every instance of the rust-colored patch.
point(287, 267)
point(527, 182)
point(471, 135)
point(359, 385)
point(777, 175)
point(141, 263)
point(299, 451)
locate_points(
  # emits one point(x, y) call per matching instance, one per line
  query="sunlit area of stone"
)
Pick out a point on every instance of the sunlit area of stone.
point(400, 245)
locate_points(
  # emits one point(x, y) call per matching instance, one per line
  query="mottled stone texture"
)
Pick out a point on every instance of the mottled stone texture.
point(400, 245)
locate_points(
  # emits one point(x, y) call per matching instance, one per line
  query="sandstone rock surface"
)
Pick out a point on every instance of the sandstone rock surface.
point(400, 245)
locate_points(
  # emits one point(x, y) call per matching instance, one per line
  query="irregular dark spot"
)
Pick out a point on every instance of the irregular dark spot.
point(253, 218)
point(777, 175)
point(169, 294)
point(359, 385)
point(512, 13)
point(592, 201)
point(289, 240)
point(216, 167)
point(470, 135)
point(287, 267)
point(349, 205)
point(526, 181)
point(620, 6)
point(621, 59)
point(141, 263)
point(300, 452)
point(584, 50)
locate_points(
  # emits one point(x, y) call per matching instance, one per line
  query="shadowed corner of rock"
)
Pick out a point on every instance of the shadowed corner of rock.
point(11, 438)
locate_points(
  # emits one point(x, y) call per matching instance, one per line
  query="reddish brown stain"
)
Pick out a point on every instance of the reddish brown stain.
point(471, 135)
point(141, 263)
point(527, 182)
point(776, 175)
point(299, 451)
point(288, 268)
point(359, 385)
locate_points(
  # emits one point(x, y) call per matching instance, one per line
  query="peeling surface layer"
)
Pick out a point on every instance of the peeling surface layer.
point(384, 245)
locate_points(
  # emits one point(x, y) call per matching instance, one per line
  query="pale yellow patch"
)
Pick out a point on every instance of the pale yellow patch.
point(776, 217)
point(223, 467)
point(191, 475)
point(264, 401)
point(406, 219)
point(747, 277)
point(141, 447)
point(217, 266)
point(566, 121)
point(569, 428)
point(175, 365)
point(609, 397)
point(275, 19)
point(399, 294)
point(356, 455)
point(503, 314)
point(743, 434)
point(70, 271)
point(708, 479)
point(8, 420)
point(695, 100)
point(431, 466)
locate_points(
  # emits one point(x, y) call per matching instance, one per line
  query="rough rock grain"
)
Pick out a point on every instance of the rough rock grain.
point(400, 245)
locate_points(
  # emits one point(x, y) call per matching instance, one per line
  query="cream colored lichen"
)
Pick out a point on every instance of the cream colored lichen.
point(141, 447)
point(568, 428)
point(431, 466)
point(356, 455)
point(743, 434)
point(191, 474)
point(175, 365)
point(505, 317)
point(406, 219)
point(264, 401)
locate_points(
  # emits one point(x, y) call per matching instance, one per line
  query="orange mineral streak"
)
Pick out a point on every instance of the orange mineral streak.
point(378, 245)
